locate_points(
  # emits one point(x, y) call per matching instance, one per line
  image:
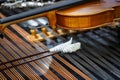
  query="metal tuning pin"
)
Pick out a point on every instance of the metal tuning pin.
point(49, 2)
point(21, 4)
point(31, 4)
point(11, 4)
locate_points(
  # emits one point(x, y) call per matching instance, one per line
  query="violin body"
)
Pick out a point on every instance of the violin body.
point(90, 15)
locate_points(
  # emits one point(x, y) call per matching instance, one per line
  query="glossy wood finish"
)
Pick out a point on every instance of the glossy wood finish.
point(90, 15)
point(47, 11)
point(50, 15)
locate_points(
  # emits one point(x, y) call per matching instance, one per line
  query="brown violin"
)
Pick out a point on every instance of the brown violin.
point(78, 17)
point(89, 15)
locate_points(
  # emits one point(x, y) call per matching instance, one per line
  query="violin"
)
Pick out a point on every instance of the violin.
point(88, 16)
point(45, 11)
point(64, 15)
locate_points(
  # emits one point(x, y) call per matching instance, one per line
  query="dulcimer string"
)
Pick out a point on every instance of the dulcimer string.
point(23, 58)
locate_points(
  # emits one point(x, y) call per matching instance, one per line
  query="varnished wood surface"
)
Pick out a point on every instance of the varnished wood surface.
point(89, 15)
point(16, 45)
point(89, 8)
point(80, 17)
point(48, 11)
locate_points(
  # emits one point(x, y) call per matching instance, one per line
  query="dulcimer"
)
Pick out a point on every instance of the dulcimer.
point(90, 15)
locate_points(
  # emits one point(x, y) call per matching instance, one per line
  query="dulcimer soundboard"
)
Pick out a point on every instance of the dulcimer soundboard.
point(25, 48)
